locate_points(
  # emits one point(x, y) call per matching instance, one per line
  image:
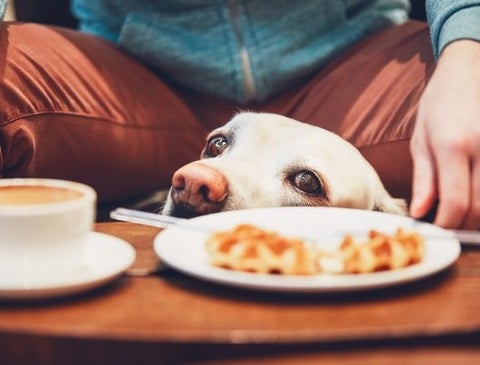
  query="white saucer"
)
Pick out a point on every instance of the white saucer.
point(107, 257)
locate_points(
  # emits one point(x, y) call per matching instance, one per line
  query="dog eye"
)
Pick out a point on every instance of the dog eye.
point(215, 146)
point(308, 182)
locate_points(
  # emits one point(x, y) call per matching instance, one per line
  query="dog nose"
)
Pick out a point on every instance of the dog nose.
point(201, 187)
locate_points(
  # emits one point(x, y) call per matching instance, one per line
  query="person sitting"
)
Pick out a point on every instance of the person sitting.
point(127, 98)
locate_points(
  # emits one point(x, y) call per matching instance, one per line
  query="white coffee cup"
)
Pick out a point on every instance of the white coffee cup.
point(44, 226)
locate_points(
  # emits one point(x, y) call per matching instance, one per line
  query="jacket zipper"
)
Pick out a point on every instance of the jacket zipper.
point(249, 83)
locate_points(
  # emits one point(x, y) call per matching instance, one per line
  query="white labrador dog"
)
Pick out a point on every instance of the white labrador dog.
point(267, 160)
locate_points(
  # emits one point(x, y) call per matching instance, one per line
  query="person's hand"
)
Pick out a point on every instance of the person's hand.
point(445, 145)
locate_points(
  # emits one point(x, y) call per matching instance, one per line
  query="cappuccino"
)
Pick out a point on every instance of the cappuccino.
point(36, 194)
point(44, 226)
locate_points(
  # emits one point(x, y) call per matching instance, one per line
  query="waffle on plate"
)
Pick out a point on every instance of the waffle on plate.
point(249, 248)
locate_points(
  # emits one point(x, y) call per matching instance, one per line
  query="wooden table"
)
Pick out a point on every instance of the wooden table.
point(169, 318)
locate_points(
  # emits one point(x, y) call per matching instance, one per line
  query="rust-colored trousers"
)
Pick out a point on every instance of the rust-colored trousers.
point(73, 106)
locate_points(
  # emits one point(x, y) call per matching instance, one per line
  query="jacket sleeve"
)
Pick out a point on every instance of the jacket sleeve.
point(451, 20)
point(3, 8)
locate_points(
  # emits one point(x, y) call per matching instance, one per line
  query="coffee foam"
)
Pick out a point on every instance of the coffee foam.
point(36, 194)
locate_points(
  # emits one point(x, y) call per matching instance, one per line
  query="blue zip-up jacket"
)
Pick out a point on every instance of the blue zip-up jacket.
point(250, 50)
point(451, 20)
point(243, 50)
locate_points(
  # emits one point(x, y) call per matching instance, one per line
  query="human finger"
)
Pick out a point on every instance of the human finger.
point(454, 188)
point(424, 185)
point(472, 220)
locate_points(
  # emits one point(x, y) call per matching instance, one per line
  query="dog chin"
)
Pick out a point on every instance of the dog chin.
point(185, 210)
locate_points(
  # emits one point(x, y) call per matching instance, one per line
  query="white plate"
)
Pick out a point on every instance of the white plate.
point(184, 249)
point(106, 258)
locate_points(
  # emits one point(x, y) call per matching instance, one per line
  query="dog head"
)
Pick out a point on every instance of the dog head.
point(267, 160)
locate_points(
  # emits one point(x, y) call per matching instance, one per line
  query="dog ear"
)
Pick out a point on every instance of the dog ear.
point(387, 204)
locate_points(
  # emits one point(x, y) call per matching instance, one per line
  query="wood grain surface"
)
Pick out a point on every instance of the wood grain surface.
point(167, 317)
